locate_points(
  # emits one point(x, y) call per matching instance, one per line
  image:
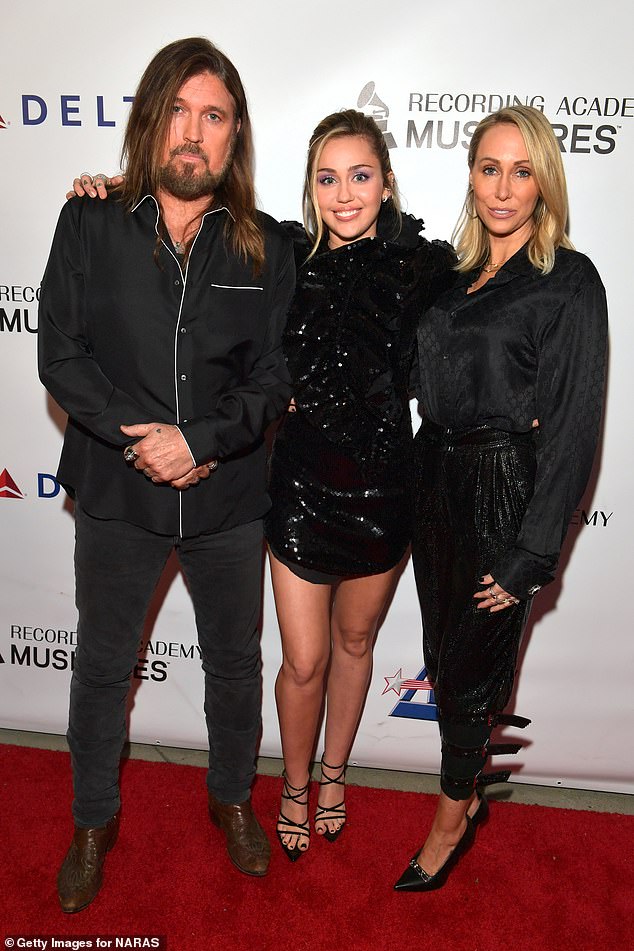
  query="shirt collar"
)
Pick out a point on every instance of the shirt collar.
point(151, 198)
point(516, 265)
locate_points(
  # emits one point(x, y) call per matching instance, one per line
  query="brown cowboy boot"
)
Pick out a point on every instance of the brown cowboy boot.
point(247, 844)
point(81, 874)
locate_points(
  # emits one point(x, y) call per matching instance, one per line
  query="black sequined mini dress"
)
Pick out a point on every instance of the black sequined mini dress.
point(340, 469)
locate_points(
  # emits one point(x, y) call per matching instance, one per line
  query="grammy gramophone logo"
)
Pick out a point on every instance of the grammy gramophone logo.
point(372, 105)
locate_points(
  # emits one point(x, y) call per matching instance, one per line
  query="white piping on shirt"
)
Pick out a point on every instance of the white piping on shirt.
point(237, 287)
point(180, 312)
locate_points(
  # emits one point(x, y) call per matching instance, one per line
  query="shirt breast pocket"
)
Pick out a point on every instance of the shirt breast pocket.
point(236, 311)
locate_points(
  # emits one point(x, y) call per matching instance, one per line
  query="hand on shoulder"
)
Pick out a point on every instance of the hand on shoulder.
point(94, 186)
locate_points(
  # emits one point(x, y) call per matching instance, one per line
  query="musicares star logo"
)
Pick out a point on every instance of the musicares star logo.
point(3, 124)
point(411, 706)
point(8, 488)
point(397, 683)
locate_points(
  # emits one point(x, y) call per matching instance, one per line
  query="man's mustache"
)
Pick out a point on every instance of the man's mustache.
point(188, 150)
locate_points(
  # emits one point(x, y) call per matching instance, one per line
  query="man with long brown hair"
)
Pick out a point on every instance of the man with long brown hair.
point(160, 321)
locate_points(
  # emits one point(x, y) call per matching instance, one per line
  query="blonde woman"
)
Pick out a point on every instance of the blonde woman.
point(511, 380)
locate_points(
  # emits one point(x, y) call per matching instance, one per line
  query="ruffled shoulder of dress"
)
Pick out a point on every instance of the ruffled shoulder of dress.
point(410, 237)
point(301, 243)
point(444, 257)
point(410, 233)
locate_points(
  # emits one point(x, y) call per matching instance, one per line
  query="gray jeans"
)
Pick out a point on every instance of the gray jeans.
point(117, 568)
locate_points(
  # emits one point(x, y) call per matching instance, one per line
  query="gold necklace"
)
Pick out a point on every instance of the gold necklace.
point(489, 268)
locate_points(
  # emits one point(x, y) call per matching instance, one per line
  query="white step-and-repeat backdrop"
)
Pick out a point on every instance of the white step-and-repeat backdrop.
point(428, 72)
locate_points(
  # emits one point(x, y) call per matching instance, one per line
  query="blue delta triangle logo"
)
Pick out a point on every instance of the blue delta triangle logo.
point(417, 702)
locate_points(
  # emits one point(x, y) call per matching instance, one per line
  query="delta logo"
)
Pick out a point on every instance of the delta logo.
point(47, 486)
point(70, 110)
point(8, 488)
point(417, 702)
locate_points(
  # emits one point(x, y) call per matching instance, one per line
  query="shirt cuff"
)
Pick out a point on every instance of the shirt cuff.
point(188, 446)
point(522, 573)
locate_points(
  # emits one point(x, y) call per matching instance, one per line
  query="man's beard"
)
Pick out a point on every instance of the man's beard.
point(185, 181)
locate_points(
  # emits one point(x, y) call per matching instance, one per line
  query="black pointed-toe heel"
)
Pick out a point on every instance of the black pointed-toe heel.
point(416, 879)
point(299, 795)
point(338, 812)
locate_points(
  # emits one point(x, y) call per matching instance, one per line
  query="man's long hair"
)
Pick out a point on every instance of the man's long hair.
point(148, 126)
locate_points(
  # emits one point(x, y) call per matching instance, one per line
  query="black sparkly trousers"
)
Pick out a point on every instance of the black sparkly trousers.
point(471, 491)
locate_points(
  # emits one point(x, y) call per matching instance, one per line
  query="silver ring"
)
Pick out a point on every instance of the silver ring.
point(130, 454)
point(213, 465)
point(492, 594)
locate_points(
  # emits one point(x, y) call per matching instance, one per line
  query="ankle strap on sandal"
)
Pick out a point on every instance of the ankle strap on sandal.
point(299, 791)
point(338, 779)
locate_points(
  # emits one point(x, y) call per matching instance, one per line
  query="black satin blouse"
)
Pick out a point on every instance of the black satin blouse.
point(525, 346)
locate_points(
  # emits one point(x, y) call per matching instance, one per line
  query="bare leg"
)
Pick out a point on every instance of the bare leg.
point(357, 608)
point(446, 831)
point(303, 611)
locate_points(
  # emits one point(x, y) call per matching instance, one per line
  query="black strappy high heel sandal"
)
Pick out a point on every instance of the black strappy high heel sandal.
point(298, 795)
point(338, 812)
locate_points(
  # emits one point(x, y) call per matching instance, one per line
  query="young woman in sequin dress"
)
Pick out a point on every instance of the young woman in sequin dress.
point(340, 483)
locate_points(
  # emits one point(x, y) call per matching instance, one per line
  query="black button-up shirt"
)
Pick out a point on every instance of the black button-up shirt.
point(124, 340)
point(525, 346)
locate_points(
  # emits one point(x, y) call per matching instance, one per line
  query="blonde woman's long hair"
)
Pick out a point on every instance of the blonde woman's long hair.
point(550, 216)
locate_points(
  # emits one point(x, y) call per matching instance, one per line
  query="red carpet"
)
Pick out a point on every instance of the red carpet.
point(537, 879)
